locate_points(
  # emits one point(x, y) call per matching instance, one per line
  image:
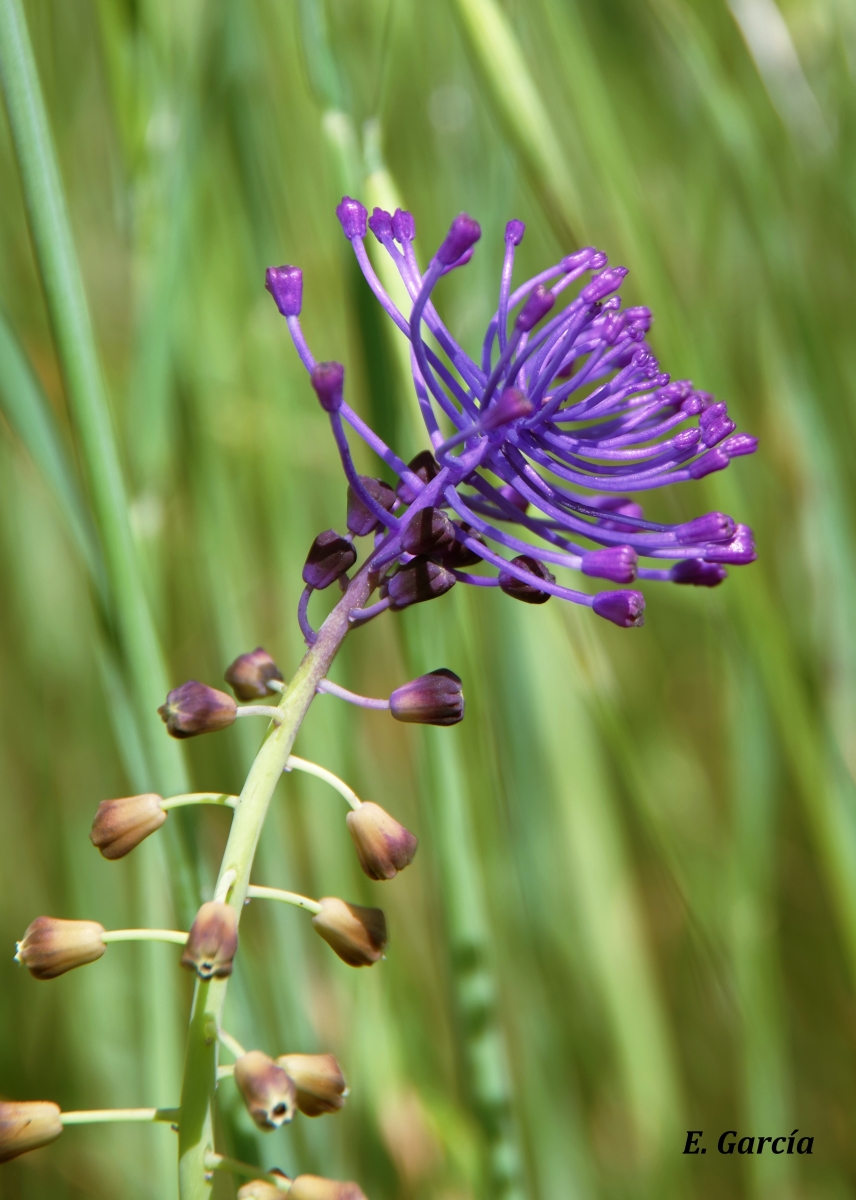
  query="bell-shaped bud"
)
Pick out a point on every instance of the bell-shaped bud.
point(433, 699)
point(511, 406)
point(321, 1086)
point(269, 1092)
point(352, 217)
point(426, 467)
point(514, 231)
point(456, 556)
point(313, 1187)
point(403, 226)
point(51, 946)
point(195, 708)
point(463, 234)
point(623, 608)
point(697, 572)
point(250, 674)
point(357, 934)
point(212, 941)
point(428, 531)
point(521, 589)
point(618, 563)
point(361, 521)
point(383, 846)
point(122, 824)
point(27, 1125)
point(285, 284)
point(329, 557)
point(328, 380)
point(419, 581)
point(538, 304)
point(263, 1189)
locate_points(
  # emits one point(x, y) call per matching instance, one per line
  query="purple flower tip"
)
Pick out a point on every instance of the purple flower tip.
point(352, 217)
point(510, 406)
point(403, 226)
point(583, 258)
point(463, 233)
point(285, 284)
point(514, 231)
point(539, 303)
point(741, 443)
point(328, 380)
point(739, 551)
point(380, 223)
point(714, 460)
point(698, 573)
point(602, 285)
point(617, 563)
point(686, 439)
point(712, 527)
point(622, 608)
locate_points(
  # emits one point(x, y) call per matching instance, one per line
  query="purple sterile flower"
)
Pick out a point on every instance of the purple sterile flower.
point(564, 412)
point(328, 380)
point(285, 284)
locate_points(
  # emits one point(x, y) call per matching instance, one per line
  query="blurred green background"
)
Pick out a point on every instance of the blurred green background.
point(633, 912)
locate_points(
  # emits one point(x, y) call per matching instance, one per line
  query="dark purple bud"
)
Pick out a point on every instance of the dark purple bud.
point(715, 431)
point(120, 825)
point(511, 406)
point(403, 226)
point(697, 572)
point(714, 460)
point(212, 942)
point(433, 699)
point(250, 674)
point(617, 563)
point(195, 708)
point(514, 231)
point(328, 379)
point(457, 555)
point(419, 581)
point(463, 233)
point(712, 527)
point(361, 521)
point(380, 223)
point(352, 217)
point(268, 1091)
point(739, 551)
point(512, 495)
point(622, 608)
point(602, 285)
point(285, 284)
point(426, 467)
point(429, 531)
point(741, 443)
point(384, 847)
point(357, 934)
point(519, 589)
point(329, 557)
point(538, 304)
point(686, 439)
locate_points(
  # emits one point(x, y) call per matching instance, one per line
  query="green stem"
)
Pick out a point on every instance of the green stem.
point(104, 1116)
point(144, 935)
point(310, 768)
point(196, 1130)
point(267, 893)
point(199, 798)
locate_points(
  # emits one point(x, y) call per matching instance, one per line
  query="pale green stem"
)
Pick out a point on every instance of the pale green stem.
point(196, 1128)
point(266, 893)
point(232, 1044)
point(260, 710)
point(144, 935)
point(218, 1162)
point(301, 764)
point(104, 1116)
point(199, 798)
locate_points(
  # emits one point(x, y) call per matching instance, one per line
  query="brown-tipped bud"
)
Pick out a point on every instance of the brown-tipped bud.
point(320, 1084)
point(269, 1092)
point(421, 580)
point(313, 1187)
point(361, 520)
point(428, 531)
point(120, 825)
point(426, 467)
point(263, 1189)
point(51, 946)
point(196, 708)
point(457, 556)
point(250, 674)
point(330, 556)
point(27, 1125)
point(519, 589)
point(384, 847)
point(212, 941)
point(433, 699)
point(357, 934)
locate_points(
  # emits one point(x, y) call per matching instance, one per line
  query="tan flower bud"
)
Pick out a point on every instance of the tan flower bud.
point(212, 941)
point(357, 934)
point(195, 708)
point(250, 674)
point(269, 1093)
point(320, 1084)
point(120, 825)
point(384, 847)
point(51, 946)
point(263, 1189)
point(26, 1125)
point(313, 1187)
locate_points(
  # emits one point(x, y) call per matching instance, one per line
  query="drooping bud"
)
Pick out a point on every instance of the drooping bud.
point(419, 581)
point(27, 1125)
point(328, 380)
point(601, 286)
point(739, 551)
point(318, 1078)
point(212, 941)
point(539, 303)
point(357, 934)
point(403, 226)
point(313, 1187)
point(622, 608)
point(268, 1091)
point(433, 699)
point(122, 824)
point(512, 495)
point(698, 572)
point(285, 284)
point(250, 674)
point(195, 708)
point(329, 557)
point(51, 946)
point(428, 531)
point(263, 1189)
point(361, 521)
point(511, 406)
point(384, 847)
point(463, 233)
point(617, 563)
point(426, 467)
point(519, 589)
point(456, 556)
point(352, 217)
point(514, 231)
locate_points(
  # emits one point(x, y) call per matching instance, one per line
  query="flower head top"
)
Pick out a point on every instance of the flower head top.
point(565, 397)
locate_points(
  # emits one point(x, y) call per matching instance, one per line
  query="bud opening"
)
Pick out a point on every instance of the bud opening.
point(195, 708)
point(384, 847)
point(268, 1091)
point(212, 941)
